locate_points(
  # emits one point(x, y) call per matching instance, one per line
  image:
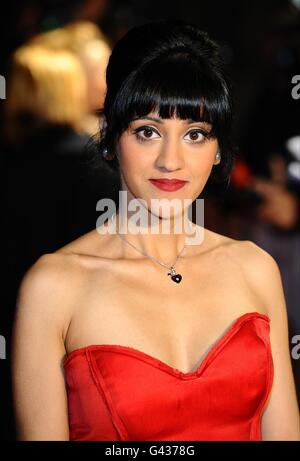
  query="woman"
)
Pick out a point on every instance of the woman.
point(141, 336)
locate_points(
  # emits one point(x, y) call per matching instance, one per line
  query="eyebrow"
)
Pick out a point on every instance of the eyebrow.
point(159, 120)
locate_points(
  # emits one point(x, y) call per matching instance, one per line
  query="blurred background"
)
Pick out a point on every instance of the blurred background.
point(53, 58)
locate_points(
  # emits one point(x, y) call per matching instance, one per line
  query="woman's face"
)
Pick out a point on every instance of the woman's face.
point(154, 148)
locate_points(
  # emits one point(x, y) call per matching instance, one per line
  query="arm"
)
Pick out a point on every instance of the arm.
point(40, 401)
point(280, 419)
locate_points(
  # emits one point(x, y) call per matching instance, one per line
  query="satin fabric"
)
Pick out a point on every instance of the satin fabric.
point(120, 393)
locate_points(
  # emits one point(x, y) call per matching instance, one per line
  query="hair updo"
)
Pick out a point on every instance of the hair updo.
point(175, 69)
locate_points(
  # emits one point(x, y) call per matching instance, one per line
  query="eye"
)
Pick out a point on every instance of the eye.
point(147, 130)
point(198, 135)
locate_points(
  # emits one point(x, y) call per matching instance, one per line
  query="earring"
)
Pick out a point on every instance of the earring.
point(218, 156)
point(106, 155)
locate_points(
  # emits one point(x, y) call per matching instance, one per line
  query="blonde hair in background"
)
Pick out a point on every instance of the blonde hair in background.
point(93, 48)
point(73, 36)
point(47, 83)
point(82, 32)
point(56, 39)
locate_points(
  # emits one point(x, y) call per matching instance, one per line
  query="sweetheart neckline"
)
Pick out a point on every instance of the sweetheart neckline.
point(129, 350)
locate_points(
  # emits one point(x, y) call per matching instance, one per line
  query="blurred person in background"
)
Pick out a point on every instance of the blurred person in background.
point(92, 48)
point(47, 89)
point(43, 111)
point(47, 196)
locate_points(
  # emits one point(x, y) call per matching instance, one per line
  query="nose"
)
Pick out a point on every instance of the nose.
point(171, 156)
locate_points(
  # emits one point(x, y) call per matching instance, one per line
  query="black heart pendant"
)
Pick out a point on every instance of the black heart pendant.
point(176, 278)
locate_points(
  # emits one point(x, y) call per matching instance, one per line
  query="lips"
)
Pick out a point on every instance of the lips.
point(168, 184)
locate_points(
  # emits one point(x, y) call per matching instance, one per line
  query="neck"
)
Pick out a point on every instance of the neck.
point(157, 236)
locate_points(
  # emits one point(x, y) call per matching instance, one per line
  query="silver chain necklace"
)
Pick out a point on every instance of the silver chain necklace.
point(174, 276)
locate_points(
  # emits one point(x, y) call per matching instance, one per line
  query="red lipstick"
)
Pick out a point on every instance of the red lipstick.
point(168, 184)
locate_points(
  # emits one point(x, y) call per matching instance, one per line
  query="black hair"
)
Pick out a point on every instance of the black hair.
point(175, 69)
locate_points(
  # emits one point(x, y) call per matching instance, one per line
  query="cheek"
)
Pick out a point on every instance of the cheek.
point(202, 164)
point(131, 156)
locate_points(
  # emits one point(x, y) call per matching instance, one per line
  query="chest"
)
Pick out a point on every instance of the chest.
point(177, 323)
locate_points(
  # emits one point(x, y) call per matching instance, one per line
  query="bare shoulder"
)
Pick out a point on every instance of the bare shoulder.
point(260, 265)
point(45, 298)
point(251, 255)
point(48, 290)
point(259, 269)
point(50, 271)
point(69, 267)
point(262, 273)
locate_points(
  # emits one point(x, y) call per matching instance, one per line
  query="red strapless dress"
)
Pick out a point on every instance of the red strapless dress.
point(120, 393)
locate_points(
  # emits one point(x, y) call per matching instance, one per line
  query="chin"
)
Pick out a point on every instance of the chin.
point(165, 212)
